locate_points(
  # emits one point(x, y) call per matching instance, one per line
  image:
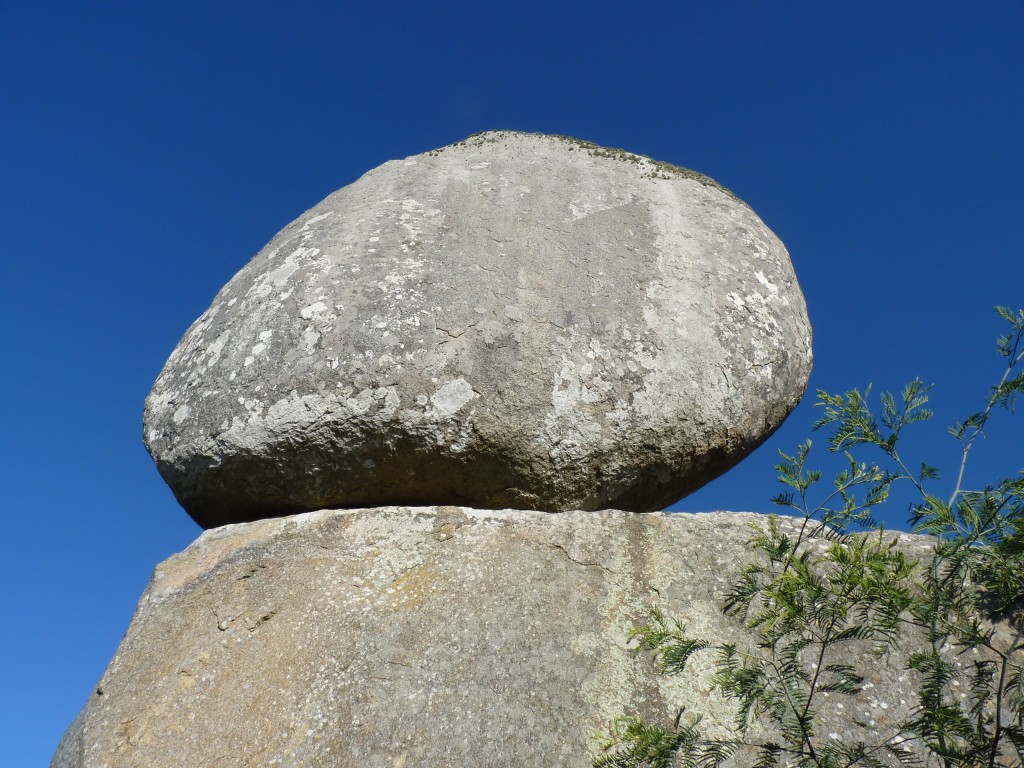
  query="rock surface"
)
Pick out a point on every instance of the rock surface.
point(513, 321)
point(417, 637)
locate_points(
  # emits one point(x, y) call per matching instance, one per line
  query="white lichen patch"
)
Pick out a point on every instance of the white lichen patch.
point(314, 219)
point(569, 433)
point(414, 212)
point(513, 313)
point(309, 339)
point(451, 397)
point(773, 289)
point(756, 320)
point(277, 277)
point(581, 208)
point(214, 350)
point(313, 309)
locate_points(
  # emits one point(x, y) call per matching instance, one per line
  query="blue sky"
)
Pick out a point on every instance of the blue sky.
point(148, 150)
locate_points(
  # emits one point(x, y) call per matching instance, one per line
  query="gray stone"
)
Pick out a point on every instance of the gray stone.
point(425, 637)
point(513, 321)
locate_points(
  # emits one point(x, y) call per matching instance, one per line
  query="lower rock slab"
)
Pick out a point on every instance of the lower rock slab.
point(399, 637)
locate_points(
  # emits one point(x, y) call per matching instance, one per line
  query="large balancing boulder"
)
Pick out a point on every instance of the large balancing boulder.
point(513, 321)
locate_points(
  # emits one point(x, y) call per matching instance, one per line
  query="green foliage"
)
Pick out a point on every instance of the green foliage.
point(837, 595)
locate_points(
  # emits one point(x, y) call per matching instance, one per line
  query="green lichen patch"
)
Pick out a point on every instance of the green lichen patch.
point(648, 167)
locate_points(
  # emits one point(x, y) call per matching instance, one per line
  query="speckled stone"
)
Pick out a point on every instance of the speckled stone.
point(429, 637)
point(513, 321)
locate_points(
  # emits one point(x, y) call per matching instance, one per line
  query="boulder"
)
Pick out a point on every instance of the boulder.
point(432, 636)
point(513, 321)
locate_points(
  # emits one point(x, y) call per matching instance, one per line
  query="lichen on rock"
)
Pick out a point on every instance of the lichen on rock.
point(513, 321)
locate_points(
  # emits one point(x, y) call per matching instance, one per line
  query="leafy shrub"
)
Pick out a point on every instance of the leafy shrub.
point(839, 595)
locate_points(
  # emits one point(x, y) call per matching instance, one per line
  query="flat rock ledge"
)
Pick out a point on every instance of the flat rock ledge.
point(402, 637)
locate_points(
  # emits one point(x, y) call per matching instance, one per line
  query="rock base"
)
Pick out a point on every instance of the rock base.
point(434, 636)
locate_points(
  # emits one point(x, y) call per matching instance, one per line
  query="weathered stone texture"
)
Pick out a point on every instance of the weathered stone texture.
point(515, 320)
point(419, 637)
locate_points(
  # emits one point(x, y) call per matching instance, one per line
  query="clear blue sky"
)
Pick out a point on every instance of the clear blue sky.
point(148, 150)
